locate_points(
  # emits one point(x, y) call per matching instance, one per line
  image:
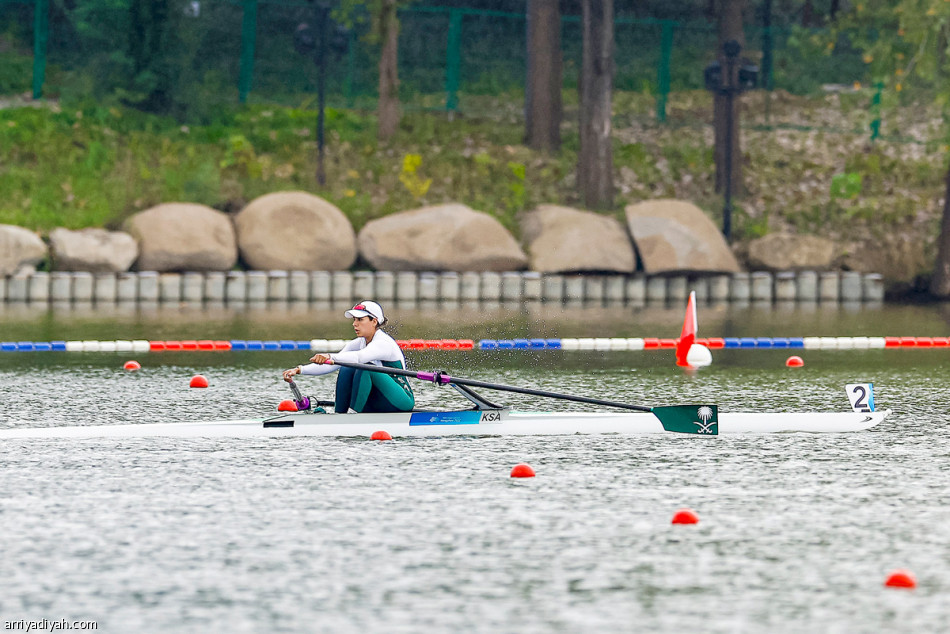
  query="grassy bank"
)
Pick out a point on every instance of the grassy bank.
point(809, 163)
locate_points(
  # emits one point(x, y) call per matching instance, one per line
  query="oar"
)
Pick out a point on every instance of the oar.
point(678, 418)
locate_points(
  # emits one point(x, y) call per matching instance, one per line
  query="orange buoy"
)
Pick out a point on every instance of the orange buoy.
point(287, 405)
point(132, 366)
point(381, 435)
point(900, 579)
point(794, 361)
point(522, 471)
point(198, 381)
point(685, 516)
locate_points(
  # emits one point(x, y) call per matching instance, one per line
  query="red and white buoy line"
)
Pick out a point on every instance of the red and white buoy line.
point(564, 343)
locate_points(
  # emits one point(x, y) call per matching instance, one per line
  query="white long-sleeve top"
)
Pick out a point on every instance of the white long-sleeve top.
point(381, 348)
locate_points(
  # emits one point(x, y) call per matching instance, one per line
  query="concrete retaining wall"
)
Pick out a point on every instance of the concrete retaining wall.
point(304, 286)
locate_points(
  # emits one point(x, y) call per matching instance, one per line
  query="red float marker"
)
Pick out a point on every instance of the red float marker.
point(685, 516)
point(287, 405)
point(132, 366)
point(198, 381)
point(688, 334)
point(794, 362)
point(900, 579)
point(522, 471)
point(381, 435)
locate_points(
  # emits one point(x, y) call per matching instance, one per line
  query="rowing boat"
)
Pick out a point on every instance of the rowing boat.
point(472, 422)
point(487, 419)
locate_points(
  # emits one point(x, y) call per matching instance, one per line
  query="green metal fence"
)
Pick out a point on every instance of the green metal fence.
point(235, 51)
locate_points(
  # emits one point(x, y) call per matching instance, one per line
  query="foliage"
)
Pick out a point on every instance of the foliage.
point(905, 43)
point(415, 184)
point(91, 164)
point(846, 185)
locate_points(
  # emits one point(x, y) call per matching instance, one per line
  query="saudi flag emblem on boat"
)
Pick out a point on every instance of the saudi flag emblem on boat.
point(689, 419)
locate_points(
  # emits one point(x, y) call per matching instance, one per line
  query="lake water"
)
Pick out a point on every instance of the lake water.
point(797, 532)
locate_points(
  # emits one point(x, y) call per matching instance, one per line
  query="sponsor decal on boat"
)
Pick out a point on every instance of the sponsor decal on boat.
point(445, 418)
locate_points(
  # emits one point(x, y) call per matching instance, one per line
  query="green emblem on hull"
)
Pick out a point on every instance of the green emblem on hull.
point(689, 419)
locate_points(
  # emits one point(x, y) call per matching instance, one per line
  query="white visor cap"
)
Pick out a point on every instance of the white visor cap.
point(366, 309)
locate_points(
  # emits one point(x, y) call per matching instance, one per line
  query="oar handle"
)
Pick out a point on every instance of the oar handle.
point(441, 378)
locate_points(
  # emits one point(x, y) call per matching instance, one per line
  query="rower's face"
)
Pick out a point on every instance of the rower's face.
point(364, 326)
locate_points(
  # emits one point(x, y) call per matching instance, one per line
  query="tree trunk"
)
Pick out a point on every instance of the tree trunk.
point(730, 28)
point(595, 160)
point(388, 108)
point(543, 92)
point(940, 282)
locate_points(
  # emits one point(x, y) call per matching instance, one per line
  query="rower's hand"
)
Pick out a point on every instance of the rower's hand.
point(321, 358)
point(291, 373)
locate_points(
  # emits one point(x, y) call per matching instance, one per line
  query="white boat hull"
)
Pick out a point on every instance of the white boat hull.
point(460, 423)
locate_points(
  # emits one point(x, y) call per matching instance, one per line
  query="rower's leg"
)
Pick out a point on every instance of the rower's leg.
point(378, 392)
point(345, 389)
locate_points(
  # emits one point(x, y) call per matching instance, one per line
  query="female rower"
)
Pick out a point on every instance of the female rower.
point(363, 390)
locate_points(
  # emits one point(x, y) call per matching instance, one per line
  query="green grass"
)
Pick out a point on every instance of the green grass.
point(90, 165)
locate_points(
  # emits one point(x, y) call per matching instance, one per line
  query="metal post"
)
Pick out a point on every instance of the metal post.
point(767, 50)
point(323, 18)
point(727, 195)
point(453, 61)
point(40, 40)
point(248, 40)
point(729, 89)
point(350, 67)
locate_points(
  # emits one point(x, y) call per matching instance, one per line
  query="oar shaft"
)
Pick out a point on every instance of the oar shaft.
point(438, 377)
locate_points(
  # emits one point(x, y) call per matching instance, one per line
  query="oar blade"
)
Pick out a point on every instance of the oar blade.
point(689, 419)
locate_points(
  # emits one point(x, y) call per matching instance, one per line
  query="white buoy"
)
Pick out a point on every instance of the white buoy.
point(698, 356)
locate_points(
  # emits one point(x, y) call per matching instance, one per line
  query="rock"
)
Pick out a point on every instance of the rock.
point(900, 260)
point(788, 251)
point(295, 231)
point(450, 237)
point(183, 237)
point(19, 247)
point(565, 240)
point(674, 235)
point(94, 250)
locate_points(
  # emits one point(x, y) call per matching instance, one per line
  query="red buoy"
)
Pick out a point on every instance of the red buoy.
point(132, 366)
point(287, 405)
point(198, 381)
point(685, 516)
point(794, 361)
point(381, 435)
point(901, 579)
point(522, 471)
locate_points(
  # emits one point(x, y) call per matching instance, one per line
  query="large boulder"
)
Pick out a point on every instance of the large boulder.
point(674, 235)
point(183, 237)
point(295, 231)
point(787, 251)
point(19, 247)
point(450, 237)
point(898, 256)
point(95, 250)
point(565, 240)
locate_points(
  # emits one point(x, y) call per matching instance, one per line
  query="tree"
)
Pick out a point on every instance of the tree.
point(543, 91)
point(595, 160)
point(387, 30)
point(149, 50)
point(906, 45)
point(384, 31)
point(730, 28)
